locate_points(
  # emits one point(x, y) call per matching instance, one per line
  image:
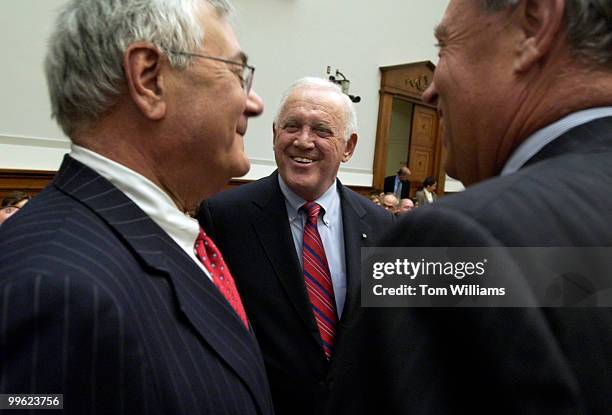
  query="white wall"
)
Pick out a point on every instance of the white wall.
point(285, 39)
point(29, 139)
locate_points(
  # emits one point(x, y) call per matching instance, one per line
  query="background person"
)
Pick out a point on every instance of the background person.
point(405, 205)
point(399, 184)
point(11, 203)
point(390, 202)
point(427, 195)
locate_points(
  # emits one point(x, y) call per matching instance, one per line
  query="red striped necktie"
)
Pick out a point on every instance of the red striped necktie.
point(318, 280)
point(210, 256)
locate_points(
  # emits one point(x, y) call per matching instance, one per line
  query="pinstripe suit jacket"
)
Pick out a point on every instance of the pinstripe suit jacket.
point(98, 303)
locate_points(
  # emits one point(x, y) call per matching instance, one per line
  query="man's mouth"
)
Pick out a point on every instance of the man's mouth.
point(241, 128)
point(302, 160)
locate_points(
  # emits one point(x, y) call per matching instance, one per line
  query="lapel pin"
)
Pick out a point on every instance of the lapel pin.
point(364, 236)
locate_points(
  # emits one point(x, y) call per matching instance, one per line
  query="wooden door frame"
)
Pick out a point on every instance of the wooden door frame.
point(410, 93)
point(382, 133)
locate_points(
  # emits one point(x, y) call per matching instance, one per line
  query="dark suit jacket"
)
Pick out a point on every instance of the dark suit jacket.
point(390, 186)
point(492, 360)
point(101, 305)
point(251, 227)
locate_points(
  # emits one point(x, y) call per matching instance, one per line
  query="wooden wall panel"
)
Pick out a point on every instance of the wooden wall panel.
point(33, 181)
point(29, 181)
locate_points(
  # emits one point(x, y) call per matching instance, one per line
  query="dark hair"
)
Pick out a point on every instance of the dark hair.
point(14, 197)
point(429, 181)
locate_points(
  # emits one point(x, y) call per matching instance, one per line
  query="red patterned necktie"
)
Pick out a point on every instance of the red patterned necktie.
point(318, 280)
point(211, 258)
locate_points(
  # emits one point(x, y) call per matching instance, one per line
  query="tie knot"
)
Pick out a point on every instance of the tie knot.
point(312, 210)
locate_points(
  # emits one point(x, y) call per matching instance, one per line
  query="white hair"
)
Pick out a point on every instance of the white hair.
point(313, 82)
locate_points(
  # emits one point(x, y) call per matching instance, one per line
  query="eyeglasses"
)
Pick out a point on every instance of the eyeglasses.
point(246, 77)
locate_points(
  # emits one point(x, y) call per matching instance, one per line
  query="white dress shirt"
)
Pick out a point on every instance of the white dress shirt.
point(330, 227)
point(156, 203)
point(428, 195)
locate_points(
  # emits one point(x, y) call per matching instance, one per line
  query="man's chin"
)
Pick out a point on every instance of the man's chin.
point(243, 168)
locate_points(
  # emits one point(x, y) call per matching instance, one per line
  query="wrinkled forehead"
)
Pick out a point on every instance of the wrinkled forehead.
point(461, 18)
point(310, 102)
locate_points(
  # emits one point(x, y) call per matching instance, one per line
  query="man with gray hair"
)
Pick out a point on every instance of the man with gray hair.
point(112, 295)
point(293, 242)
point(524, 90)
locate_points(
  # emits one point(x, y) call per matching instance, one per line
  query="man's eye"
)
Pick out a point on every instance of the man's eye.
point(290, 128)
point(323, 132)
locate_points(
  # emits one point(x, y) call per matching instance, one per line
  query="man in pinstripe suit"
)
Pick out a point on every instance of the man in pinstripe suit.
point(102, 298)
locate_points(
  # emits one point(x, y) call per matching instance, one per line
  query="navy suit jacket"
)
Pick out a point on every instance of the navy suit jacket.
point(252, 230)
point(389, 187)
point(497, 360)
point(100, 304)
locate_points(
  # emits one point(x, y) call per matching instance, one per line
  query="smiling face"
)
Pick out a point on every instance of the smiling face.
point(309, 140)
point(475, 89)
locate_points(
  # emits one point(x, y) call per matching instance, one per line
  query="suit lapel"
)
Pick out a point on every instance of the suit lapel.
point(207, 310)
point(271, 225)
point(357, 233)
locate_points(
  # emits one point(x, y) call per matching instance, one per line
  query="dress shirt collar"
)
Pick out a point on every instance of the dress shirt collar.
point(329, 202)
point(538, 140)
point(156, 203)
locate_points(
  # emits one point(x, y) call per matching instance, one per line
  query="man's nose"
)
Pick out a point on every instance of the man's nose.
point(430, 96)
point(303, 139)
point(254, 105)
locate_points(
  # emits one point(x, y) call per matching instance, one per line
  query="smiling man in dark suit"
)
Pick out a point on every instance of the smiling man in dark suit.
point(293, 243)
point(524, 89)
point(112, 294)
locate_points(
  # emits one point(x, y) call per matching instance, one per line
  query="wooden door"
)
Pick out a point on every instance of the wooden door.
point(423, 146)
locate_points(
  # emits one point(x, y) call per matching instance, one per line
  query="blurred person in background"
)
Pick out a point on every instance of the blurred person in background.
point(11, 203)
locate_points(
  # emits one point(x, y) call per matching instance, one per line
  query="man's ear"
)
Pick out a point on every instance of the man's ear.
point(142, 65)
point(351, 143)
point(540, 22)
point(273, 134)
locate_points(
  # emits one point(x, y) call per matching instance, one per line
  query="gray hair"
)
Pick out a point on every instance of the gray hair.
point(588, 25)
point(312, 82)
point(84, 62)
